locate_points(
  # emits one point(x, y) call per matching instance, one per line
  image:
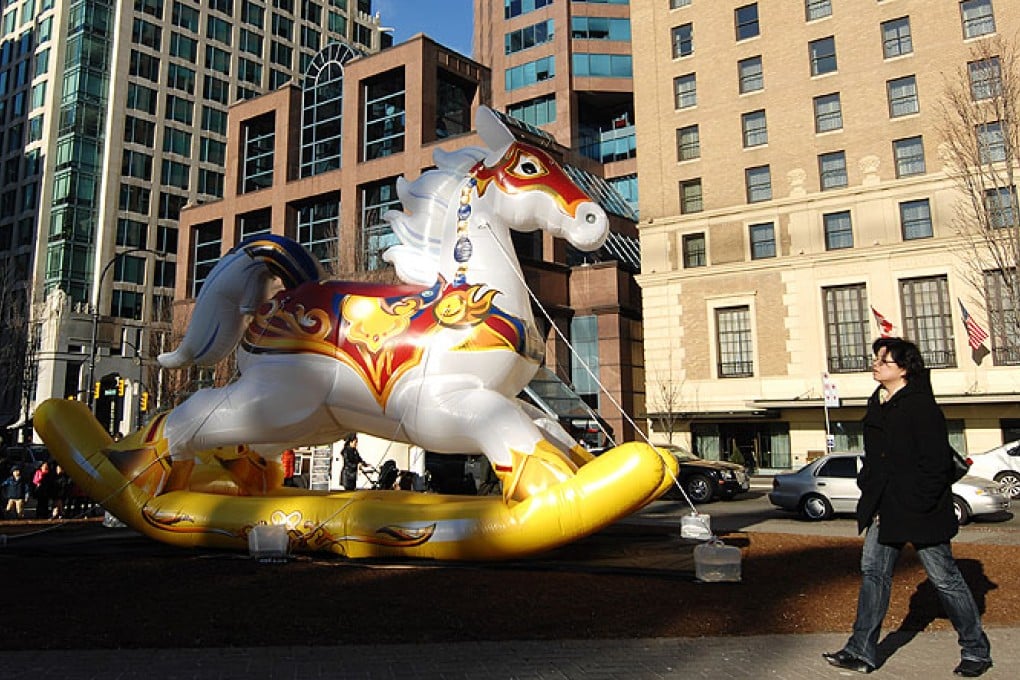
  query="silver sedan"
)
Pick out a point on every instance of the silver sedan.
point(828, 485)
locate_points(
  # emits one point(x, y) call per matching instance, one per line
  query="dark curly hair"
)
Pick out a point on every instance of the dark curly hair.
point(906, 355)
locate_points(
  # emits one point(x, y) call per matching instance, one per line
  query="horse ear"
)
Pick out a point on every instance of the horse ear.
point(494, 133)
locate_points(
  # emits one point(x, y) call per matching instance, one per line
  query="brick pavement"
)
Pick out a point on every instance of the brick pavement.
point(779, 657)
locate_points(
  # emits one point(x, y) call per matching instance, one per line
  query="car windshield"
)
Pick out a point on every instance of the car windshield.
point(683, 455)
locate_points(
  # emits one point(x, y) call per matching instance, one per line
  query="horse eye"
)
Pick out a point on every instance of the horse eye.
point(528, 166)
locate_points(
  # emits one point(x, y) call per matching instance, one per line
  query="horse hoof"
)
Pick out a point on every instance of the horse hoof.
point(534, 472)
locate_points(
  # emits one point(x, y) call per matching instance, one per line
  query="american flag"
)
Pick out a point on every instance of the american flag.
point(975, 333)
point(884, 325)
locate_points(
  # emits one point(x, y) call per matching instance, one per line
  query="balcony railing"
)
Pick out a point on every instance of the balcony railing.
point(941, 358)
point(736, 369)
point(1006, 356)
point(850, 364)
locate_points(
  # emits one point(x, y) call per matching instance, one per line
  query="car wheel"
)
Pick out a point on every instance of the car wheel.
point(961, 509)
point(816, 508)
point(699, 489)
point(1010, 482)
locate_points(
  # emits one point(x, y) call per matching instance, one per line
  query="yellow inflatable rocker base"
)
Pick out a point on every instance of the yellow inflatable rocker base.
point(140, 487)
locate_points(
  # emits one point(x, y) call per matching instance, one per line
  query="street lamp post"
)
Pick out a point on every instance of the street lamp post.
point(93, 349)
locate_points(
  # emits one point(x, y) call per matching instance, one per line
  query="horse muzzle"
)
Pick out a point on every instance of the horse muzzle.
point(589, 228)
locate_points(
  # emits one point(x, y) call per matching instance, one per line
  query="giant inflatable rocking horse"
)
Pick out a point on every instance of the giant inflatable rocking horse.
point(435, 362)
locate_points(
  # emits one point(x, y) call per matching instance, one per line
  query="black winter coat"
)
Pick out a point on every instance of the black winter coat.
point(906, 478)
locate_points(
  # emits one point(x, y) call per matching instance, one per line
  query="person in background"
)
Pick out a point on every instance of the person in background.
point(15, 488)
point(61, 491)
point(43, 481)
point(352, 463)
point(905, 498)
point(287, 462)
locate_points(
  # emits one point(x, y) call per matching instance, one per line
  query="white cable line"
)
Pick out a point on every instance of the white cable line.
point(598, 382)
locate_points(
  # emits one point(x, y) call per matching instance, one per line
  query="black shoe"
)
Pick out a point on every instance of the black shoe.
point(844, 659)
point(969, 668)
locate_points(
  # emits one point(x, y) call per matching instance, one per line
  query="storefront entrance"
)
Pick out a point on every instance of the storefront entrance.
point(759, 446)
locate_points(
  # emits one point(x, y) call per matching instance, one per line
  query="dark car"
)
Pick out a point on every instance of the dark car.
point(706, 480)
point(27, 458)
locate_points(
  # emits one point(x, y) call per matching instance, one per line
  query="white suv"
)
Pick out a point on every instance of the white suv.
point(1001, 464)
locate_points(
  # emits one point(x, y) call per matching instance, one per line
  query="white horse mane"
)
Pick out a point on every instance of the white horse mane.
point(426, 203)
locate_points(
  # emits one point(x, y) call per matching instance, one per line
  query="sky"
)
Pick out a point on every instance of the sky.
point(448, 22)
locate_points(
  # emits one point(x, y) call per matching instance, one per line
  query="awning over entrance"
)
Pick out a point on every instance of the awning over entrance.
point(942, 399)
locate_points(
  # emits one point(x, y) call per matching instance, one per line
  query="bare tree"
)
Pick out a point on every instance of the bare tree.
point(980, 133)
point(666, 406)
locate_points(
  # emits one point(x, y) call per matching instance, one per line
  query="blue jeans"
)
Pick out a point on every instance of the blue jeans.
point(877, 562)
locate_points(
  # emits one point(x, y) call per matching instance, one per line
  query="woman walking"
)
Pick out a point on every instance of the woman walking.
point(905, 498)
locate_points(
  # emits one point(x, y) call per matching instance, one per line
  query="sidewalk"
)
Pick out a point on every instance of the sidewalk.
point(782, 657)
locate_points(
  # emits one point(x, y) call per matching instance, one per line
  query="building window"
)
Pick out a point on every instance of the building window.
point(991, 142)
point(690, 196)
point(688, 143)
point(828, 113)
point(847, 330)
point(129, 269)
point(733, 325)
point(676, 4)
point(530, 73)
point(832, 170)
point(131, 233)
point(322, 97)
point(384, 114)
point(683, 40)
point(754, 128)
point(685, 91)
point(823, 55)
point(750, 73)
point(909, 156)
point(758, 182)
point(745, 21)
point(376, 234)
point(259, 135)
point(598, 28)
point(902, 96)
point(528, 37)
point(318, 230)
point(817, 9)
point(896, 38)
point(694, 251)
point(512, 8)
point(763, 240)
point(127, 304)
point(584, 362)
point(985, 78)
point(915, 219)
point(205, 253)
point(603, 65)
point(538, 111)
point(254, 223)
point(928, 319)
point(839, 233)
point(1002, 320)
point(1000, 206)
point(977, 18)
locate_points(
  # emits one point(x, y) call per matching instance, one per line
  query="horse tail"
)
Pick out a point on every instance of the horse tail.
point(237, 286)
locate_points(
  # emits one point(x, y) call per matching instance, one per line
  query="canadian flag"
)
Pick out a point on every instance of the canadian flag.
point(884, 325)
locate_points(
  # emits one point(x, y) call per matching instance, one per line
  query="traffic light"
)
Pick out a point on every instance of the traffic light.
point(145, 401)
point(96, 390)
point(120, 387)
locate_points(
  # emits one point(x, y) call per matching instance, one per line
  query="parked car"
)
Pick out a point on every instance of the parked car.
point(1002, 465)
point(27, 457)
point(706, 480)
point(828, 486)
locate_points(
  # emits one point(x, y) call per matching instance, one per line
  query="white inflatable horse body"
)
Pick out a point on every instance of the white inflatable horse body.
point(437, 363)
